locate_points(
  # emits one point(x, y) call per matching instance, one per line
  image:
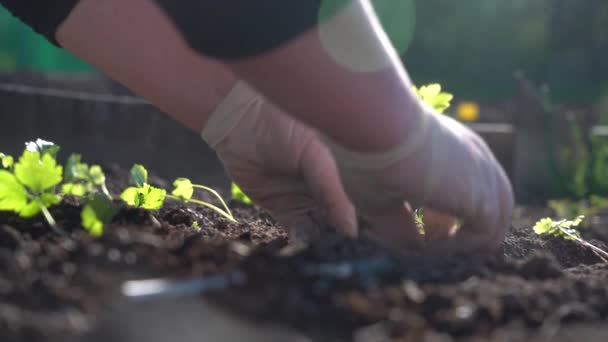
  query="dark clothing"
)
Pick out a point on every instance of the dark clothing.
point(224, 29)
point(231, 29)
point(43, 16)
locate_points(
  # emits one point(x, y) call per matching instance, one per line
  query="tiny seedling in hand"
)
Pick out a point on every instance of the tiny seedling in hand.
point(239, 196)
point(184, 190)
point(568, 230)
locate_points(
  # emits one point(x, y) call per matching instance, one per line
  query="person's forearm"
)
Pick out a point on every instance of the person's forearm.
point(133, 42)
point(342, 77)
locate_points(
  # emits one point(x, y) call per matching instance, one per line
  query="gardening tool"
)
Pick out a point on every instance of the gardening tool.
point(160, 310)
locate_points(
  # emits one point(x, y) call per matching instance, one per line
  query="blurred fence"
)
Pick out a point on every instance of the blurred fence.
point(93, 116)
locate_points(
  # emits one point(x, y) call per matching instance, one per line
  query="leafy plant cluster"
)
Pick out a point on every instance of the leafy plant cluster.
point(34, 182)
point(567, 229)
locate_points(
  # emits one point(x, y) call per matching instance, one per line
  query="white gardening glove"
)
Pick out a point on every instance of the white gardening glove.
point(280, 164)
point(442, 165)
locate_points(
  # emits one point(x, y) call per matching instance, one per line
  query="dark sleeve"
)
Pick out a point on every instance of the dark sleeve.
point(43, 16)
point(232, 29)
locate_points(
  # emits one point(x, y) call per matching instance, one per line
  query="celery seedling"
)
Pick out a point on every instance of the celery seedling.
point(98, 212)
point(184, 189)
point(81, 179)
point(566, 229)
point(238, 194)
point(30, 189)
point(143, 195)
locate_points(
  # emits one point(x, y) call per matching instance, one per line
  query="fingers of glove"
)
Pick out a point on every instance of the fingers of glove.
point(396, 226)
point(321, 175)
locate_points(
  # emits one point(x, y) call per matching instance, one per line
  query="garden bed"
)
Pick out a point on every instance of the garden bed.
point(56, 288)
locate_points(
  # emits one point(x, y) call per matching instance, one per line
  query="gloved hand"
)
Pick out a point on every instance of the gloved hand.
point(280, 164)
point(441, 165)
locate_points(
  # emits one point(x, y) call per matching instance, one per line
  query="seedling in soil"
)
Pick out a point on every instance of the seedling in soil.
point(81, 179)
point(568, 230)
point(29, 186)
point(184, 189)
point(239, 196)
point(146, 196)
point(143, 195)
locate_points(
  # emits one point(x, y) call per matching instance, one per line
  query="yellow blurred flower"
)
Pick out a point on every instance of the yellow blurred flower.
point(468, 111)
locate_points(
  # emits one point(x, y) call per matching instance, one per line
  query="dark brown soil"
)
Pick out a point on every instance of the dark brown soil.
point(56, 288)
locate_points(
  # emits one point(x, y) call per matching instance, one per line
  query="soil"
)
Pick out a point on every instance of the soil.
point(56, 288)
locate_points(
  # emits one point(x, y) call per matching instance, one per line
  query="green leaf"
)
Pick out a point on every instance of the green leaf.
point(31, 209)
point(96, 175)
point(239, 196)
point(49, 199)
point(36, 173)
point(543, 226)
point(153, 198)
point(131, 196)
point(139, 174)
point(6, 160)
point(74, 189)
point(98, 212)
point(13, 195)
point(146, 197)
point(74, 169)
point(183, 189)
point(43, 147)
point(431, 94)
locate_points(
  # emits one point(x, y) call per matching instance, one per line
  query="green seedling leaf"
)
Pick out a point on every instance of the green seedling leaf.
point(74, 169)
point(131, 196)
point(183, 189)
point(34, 208)
point(6, 161)
point(74, 189)
point(96, 175)
point(139, 174)
point(43, 147)
point(38, 173)
point(98, 212)
point(562, 228)
point(146, 197)
point(433, 96)
point(239, 196)
point(13, 195)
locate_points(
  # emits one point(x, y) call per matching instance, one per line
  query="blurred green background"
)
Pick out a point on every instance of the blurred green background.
point(472, 47)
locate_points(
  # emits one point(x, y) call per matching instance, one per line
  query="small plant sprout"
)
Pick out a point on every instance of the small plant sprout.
point(143, 195)
point(81, 179)
point(567, 229)
point(433, 96)
point(98, 212)
point(238, 195)
point(30, 188)
point(184, 189)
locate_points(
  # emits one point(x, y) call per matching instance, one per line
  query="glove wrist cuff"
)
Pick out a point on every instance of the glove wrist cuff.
point(227, 114)
point(377, 161)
